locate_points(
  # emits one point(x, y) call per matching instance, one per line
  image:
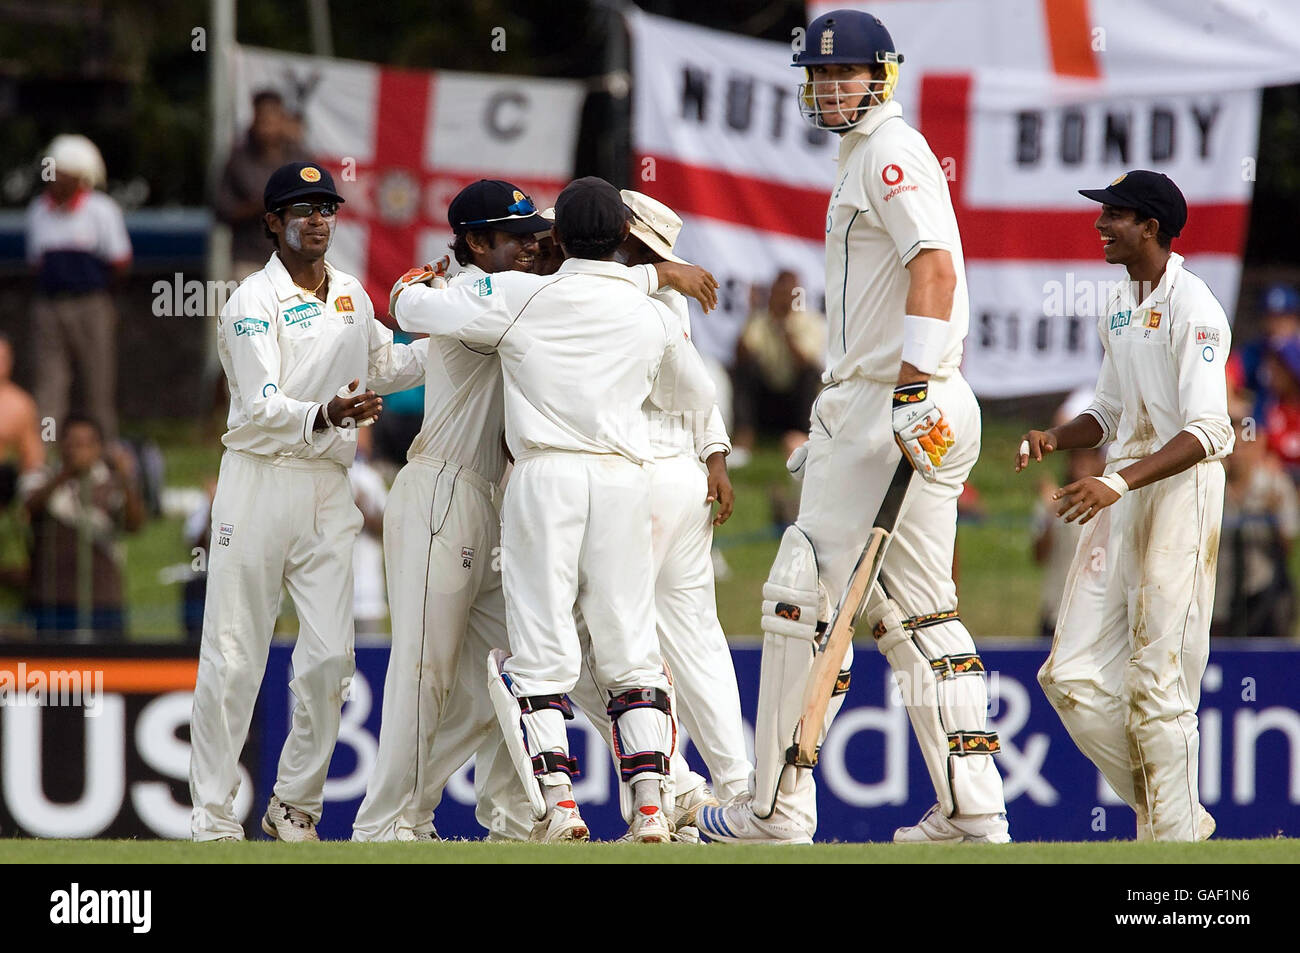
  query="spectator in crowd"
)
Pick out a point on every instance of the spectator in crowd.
point(78, 515)
point(1261, 518)
point(369, 589)
point(1281, 417)
point(76, 242)
point(271, 141)
point(1054, 539)
point(779, 363)
point(1248, 368)
point(22, 455)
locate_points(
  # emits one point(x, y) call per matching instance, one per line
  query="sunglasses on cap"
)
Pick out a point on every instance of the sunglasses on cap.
point(304, 209)
point(521, 209)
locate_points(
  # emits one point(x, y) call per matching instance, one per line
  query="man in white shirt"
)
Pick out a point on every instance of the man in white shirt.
point(442, 534)
point(897, 315)
point(1133, 635)
point(293, 336)
point(581, 351)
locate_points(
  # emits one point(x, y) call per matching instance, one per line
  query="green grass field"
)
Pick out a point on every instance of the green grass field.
point(1276, 851)
point(997, 578)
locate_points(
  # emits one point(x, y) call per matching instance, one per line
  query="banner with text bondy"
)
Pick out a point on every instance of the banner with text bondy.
point(717, 126)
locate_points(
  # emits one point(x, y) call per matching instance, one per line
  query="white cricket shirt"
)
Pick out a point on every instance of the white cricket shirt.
point(286, 352)
point(689, 435)
point(464, 409)
point(890, 201)
point(581, 351)
point(1163, 368)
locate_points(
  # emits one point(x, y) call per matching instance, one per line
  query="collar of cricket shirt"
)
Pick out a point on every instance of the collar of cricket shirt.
point(1161, 291)
point(592, 266)
point(874, 119)
point(286, 288)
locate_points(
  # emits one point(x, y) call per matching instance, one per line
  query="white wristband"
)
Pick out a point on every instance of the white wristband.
point(924, 341)
point(1115, 482)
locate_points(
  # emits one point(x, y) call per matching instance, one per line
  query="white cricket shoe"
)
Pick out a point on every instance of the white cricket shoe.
point(687, 835)
point(736, 823)
point(564, 823)
point(287, 823)
point(427, 834)
point(688, 804)
point(934, 828)
point(649, 826)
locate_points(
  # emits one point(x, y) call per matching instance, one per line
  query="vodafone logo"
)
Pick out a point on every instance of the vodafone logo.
point(891, 174)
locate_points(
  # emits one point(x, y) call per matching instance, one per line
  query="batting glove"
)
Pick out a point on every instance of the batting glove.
point(920, 429)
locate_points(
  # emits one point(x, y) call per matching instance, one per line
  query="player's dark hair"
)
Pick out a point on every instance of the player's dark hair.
point(460, 247)
point(592, 248)
point(266, 229)
point(1163, 238)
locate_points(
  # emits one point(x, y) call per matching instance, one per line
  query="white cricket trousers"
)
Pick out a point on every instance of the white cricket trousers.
point(576, 530)
point(686, 613)
point(441, 538)
point(1132, 640)
point(275, 520)
point(851, 459)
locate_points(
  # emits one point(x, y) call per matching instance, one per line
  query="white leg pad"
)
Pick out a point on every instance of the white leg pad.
point(941, 681)
point(526, 735)
point(794, 602)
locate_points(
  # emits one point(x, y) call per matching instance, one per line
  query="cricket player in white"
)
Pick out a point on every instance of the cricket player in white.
point(292, 336)
point(1133, 634)
point(442, 531)
point(581, 351)
point(897, 311)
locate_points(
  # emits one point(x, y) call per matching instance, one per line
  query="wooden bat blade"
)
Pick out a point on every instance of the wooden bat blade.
point(828, 662)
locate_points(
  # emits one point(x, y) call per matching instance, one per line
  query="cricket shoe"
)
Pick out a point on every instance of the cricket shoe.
point(736, 823)
point(649, 826)
point(564, 823)
point(688, 804)
point(934, 828)
point(287, 823)
point(427, 834)
point(687, 835)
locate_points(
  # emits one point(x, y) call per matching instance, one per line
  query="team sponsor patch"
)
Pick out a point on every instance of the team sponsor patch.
point(269, 389)
point(1207, 335)
point(250, 326)
point(467, 556)
point(302, 312)
point(483, 286)
point(343, 303)
point(226, 529)
point(891, 174)
point(1207, 354)
point(1120, 320)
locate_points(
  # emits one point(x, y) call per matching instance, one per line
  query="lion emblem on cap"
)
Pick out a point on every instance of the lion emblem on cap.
point(310, 174)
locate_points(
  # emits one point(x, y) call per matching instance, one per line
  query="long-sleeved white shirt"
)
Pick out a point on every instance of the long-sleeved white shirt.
point(464, 408)
point(690, 435)
point(581, 351)
point(285, 353)
point(1163, 368)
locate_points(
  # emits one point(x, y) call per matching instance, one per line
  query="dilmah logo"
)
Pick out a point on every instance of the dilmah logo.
point(77, 906)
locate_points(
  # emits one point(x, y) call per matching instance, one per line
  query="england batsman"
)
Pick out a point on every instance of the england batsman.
point(1132, 636)
point(292, 337)
point(898, 313)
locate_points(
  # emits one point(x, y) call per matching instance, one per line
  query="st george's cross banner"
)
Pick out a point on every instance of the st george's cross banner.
point(401, 143)
point(1023, 102)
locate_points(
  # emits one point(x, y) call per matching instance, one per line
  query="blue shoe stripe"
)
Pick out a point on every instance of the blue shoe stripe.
point(715, 821)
